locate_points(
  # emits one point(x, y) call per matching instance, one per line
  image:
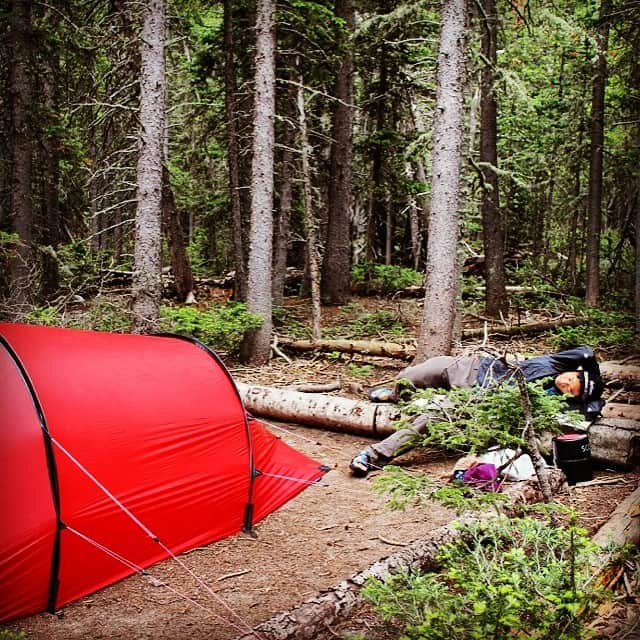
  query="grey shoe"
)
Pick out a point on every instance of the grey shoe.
point(361, 464)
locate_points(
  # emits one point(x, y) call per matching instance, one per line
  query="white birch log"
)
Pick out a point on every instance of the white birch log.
point(334, 413)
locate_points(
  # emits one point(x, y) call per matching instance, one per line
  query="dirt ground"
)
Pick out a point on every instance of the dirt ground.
point(330, 531)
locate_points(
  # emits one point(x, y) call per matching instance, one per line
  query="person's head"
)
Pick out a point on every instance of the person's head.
point(579, 384)
point(569, 383)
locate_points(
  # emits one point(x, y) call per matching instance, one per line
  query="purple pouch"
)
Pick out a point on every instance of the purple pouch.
point(483, 475)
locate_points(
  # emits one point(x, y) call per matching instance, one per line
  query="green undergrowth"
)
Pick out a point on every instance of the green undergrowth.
point(524, 576)
point(221, 327)
point(500, 579)
point(382, 279)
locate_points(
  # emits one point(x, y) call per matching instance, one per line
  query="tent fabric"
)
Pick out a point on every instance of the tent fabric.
point(136, 442)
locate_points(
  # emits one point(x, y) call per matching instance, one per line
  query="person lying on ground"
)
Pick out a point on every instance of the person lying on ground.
point(574, 373)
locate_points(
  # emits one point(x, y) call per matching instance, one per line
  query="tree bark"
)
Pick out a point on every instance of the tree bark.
point(50, 219)
point(233, 175)
point(182, 274)
point(320, 410)
point(147, 284)
point(336, 265)
point(256, 345)
point(594, 220)
point(282, 232)
point(622, 410)
point(623, 525)
point(441, 282)
point(310, 222)
point(21, 280)
point(493, 233)
point(369, 347)
point(377, 201)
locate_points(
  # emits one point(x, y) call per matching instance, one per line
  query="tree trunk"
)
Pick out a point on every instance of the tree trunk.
point(282, 232)
point(240, 292)
point(50, 220)
point(594, 221)
point(256, 345)
point(441, 283)
point(336, 265)
point(21, 279)
point(147, 284)
point(492, 224)
point(182, 275)
point(420, 234)
point(378, 199)
point(310, 222)
point(637, 279)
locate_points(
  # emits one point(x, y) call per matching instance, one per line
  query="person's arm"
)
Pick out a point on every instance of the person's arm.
point(576, 358)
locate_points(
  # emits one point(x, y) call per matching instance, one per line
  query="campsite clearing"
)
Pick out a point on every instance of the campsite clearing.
point(324, 535)
point(330, 531)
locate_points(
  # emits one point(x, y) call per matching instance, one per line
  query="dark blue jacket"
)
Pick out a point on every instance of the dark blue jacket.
point(495, 369)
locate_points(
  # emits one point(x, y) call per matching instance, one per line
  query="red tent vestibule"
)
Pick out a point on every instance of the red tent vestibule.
point(117, 451)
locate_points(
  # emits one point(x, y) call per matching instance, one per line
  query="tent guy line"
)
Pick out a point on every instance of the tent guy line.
point(106, 491)
point(131, 565)
point(243, 628)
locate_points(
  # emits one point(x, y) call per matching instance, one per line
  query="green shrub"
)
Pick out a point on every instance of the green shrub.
point(501, 579)
point(476, 419)
point(220, 327)
point(5, 634)
point(47, 316)
point(383, 278)
point(375, 324)
point(601, 328)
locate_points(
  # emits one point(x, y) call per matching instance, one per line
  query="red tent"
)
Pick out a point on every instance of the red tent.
point(117, 451)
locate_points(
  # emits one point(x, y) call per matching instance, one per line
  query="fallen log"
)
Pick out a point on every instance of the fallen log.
point(368, 347)
point(334, 413)
point(614, 441)
point(621, 410)
point(624, 524)
point(528, 329)
point(626, 376)
point(314, 615)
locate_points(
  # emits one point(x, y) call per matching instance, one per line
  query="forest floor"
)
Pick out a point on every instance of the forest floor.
point(330, 531)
